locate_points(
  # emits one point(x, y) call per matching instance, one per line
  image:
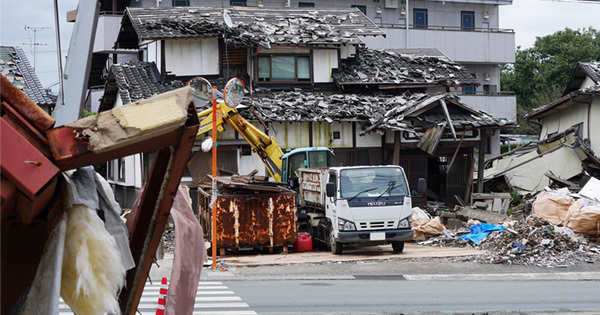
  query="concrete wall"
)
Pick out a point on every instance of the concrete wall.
point(106, 32)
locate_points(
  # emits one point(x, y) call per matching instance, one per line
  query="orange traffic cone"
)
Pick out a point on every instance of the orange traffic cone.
point(162, 297)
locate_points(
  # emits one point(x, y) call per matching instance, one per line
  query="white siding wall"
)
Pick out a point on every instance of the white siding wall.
point(368, 140)
point(587, 83)
point(323, 134)
point(323, 61)
point(249, 163)
point(564, 119)
point(192, 57)
point(290, 135)
point(595, 126)
point(153, 53)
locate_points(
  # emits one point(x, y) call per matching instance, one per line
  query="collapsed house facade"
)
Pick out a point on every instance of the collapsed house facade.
point(310, 86)
point(566, 152)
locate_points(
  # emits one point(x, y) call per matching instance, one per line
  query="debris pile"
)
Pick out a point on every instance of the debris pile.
point(405, 112)
point(532, 241)
point(388, 67)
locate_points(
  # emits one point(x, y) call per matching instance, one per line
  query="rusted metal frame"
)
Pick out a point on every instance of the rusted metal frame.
point(33, 135)
point(456, 152)
point(71, 152)
point(158, 195)
point(25, 106)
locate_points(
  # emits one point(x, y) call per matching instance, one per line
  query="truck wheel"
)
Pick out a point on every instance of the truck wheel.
point(398, 246)
point(336, 247)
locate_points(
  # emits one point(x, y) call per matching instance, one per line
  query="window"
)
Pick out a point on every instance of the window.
point(467, 22)
point(362, 8)
point(237, 3)
point(306, 4)
point(121, 169)
point(284, 68)
point(469, 90)
point(181, 3)
point(420, 18)
point(579, 127)
point(110, 169)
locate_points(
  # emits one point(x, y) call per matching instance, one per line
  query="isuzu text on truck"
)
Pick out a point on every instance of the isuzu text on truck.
point(359, 205)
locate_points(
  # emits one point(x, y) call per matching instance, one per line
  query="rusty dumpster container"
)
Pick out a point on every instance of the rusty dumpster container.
point(249, 216)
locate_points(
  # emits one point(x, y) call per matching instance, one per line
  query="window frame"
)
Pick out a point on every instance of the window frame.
point(462, 20)
point(420, 26)
point(238, 3)
point(306, 4)
point(295, 80)
point(174, 3)
point(362, 8)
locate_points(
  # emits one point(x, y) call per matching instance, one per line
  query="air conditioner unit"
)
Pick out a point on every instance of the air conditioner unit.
point(391, 4)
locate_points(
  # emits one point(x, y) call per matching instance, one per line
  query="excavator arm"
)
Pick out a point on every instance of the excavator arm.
point(266, 147)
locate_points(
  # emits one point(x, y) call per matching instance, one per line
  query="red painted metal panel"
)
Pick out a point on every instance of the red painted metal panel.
point(25, 106)
point(9, 194)
point(22, 163)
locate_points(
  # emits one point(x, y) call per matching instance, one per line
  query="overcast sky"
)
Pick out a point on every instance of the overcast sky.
point(529, 18)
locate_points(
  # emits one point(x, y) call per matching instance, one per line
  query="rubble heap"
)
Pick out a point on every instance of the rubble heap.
point(532, 241)
point(380, 111)
point(388, 67)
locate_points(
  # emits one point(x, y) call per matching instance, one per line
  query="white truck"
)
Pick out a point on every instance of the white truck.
point(358, 205)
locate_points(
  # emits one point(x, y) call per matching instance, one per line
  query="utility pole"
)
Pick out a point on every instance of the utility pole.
point(33, 43)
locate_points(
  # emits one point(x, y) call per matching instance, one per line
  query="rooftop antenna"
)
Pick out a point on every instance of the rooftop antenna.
point(33, 49)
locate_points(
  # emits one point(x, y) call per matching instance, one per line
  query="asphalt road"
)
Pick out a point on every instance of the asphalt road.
point(395, 294)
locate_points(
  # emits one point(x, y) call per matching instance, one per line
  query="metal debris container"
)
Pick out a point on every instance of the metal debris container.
point(249, 215)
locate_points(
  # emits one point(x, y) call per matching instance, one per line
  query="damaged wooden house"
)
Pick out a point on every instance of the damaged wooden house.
point(311, 83)
point(566, 152)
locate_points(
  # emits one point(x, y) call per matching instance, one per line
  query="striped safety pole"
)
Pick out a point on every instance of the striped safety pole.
point(162, 297)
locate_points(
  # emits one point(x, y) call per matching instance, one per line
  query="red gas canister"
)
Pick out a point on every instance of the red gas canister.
point(303, 243)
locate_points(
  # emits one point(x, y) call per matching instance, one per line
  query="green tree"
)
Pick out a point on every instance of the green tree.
point(540, 73)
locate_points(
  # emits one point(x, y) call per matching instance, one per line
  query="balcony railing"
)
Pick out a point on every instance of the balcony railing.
point(447, 28)
point(484, 93)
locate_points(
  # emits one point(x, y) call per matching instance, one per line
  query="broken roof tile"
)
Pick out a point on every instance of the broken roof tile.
point(251, 27)
point(17, 68)
point(386, 67)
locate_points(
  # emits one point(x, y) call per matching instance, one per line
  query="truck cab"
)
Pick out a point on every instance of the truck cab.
point(296, 159)
point(364, 205)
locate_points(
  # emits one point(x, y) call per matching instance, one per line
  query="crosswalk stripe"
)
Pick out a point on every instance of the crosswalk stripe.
point(226, 313)
point(212, 298)
point(214, 305)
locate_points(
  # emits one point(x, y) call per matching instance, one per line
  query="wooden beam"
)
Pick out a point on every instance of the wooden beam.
point(481, 162)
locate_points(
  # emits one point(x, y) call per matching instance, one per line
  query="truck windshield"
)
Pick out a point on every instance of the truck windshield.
point(373, 182)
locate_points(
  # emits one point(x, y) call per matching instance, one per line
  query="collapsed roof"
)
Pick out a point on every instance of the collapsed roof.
point(406, 112)
point(18, 70)
point(134, 81)
point(583, 71)
point(584, 95)
point(390, 69)
point(250, 26)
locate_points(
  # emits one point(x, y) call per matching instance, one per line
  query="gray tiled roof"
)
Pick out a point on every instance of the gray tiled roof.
point(253, 27)
point(134, 81)
point(16, 68)
point(411, 112)
point(592, 69)
point(385, 67)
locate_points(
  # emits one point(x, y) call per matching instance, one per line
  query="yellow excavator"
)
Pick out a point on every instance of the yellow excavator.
point(262, 144)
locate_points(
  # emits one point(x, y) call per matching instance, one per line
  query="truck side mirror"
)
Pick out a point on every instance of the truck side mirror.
point(422, 186)
point(330, 190)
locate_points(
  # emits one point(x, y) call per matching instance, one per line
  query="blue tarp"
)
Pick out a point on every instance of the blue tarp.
point(480, 231)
